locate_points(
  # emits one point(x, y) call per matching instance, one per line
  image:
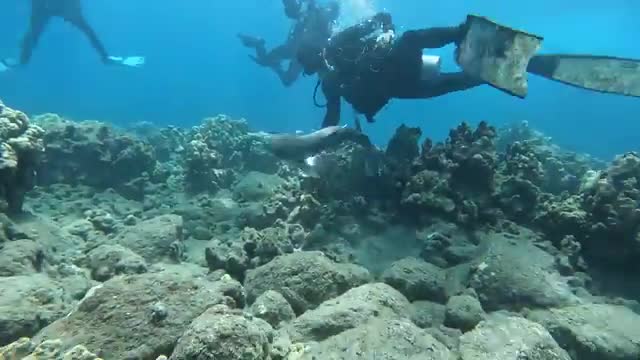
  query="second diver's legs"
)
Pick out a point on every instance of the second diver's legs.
point(39, 20)
point(274, 58)
point(280, 53)
point(81, 23)
point(442, 84)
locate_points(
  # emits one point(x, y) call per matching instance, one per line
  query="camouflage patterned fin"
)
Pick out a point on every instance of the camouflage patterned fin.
point(597, 73)
point(497, 54)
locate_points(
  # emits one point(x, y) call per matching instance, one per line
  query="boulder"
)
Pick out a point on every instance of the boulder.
point(426, 314)
point(507, 338)
point(29, 303)
point(20, 257)
point(106, 261)
point(305, 279)
point(273, 308)
point(514, 274)
point(594, 331)
point(154, 239)
point(348, 311)
point(223, 334)
point(417, 279)
point(391, 339)
point(463, 312)
point(139, 316)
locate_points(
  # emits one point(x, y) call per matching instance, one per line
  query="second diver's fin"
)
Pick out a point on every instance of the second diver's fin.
point(497, 54)
point(597, 73)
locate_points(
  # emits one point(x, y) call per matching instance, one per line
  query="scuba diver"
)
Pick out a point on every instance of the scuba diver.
point(367, 66)
point(42, 11)
point(312, 25)
point(368, 71)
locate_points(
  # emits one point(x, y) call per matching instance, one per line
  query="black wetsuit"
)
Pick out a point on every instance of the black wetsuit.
point(42, 11)
point(312, 25)
point(368, 77)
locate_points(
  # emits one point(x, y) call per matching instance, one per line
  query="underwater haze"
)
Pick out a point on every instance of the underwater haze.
point(172, 212)
point(196, 67)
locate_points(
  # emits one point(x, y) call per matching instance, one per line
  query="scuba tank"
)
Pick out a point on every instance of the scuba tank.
point(430, 67)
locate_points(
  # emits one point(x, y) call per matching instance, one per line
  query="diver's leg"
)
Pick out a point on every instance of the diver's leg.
point(406, 54)
point(442, 84)
point(433, 38)
point(81, 23)
point(39, 20)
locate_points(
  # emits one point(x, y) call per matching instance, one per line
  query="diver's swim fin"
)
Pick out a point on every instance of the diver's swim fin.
point(7, 64)
point(130, 61)
point(598, 73)
point(497, 54)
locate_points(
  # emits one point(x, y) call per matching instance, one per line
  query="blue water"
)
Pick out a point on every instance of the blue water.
point(196, 68)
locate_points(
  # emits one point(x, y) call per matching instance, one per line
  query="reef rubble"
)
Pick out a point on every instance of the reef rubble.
point(169, 243)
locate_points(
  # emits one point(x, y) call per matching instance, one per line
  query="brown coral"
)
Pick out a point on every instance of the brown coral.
point(20, 153)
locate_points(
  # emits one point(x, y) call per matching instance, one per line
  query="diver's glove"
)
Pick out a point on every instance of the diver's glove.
point(131, 61)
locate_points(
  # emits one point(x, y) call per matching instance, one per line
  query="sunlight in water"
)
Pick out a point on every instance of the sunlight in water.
point(353, 11)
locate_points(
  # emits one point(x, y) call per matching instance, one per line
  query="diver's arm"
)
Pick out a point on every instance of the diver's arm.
point(331, 93)
point(332, 115)
point(381, 20)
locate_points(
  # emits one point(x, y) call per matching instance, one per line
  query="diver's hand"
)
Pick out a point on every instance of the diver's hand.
point(130, 61)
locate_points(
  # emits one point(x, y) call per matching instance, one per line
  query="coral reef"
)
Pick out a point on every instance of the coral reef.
point(21, 149)
point(216, 150)
point(604, 217)
point(455, 179)
point(612, 203)
point(95, 154)
point(167, 243)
